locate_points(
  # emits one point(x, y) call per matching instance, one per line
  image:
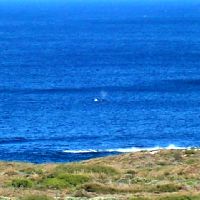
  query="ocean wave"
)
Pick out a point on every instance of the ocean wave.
point(123, 150)
point(81, 151)
point(156, 86)
point(12, 140)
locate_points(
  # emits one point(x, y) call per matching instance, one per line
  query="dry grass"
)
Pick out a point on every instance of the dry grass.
point(166, 174)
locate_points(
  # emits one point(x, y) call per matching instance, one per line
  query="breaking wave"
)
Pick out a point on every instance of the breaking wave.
point(123, 150)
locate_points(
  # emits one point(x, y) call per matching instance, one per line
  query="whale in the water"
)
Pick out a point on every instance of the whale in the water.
point(96, 100)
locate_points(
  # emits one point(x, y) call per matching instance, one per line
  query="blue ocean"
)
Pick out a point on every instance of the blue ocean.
point(84, 79)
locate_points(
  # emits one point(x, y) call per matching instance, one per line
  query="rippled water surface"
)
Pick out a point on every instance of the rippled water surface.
point(84, 79)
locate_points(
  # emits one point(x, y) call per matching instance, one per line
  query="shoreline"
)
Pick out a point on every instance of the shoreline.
point(144, 175)
point(116, 152)
point(127, 149)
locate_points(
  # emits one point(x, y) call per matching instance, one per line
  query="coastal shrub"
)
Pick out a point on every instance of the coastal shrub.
point(65, 181)
point(77, 168)
point(82, 193)
point(162, 163)
point(166, 173)
point(131, 172)
point(36, 197)
point(191, 161)
point(69, 168)
point(190, 151)
point(11, 172)
point(74, 179)
point(21, 183)
point(177, 156)
point(102, 169)
point(54, 183)
point(106, 189)
point(192, 182)
point(170, 187)
point(140, 180)
point(99, 188)
point(31, 170)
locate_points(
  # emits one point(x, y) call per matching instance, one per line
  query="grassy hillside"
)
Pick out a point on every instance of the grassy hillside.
point(157, 175)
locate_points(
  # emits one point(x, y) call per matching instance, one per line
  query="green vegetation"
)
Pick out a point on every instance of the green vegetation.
point(166, 188)
point(83, 168)
point(21, 183)
point(158, 175)
point(64, 181)
point(54, 183)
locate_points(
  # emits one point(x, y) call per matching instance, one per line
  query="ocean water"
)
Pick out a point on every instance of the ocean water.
point(83, 79)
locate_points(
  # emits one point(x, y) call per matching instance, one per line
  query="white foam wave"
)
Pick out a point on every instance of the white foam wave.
point(80, 151)
point(135, 149)
point(124, 150)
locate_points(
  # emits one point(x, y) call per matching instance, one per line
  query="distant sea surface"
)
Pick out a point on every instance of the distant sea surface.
point(83, 79)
